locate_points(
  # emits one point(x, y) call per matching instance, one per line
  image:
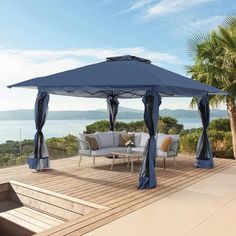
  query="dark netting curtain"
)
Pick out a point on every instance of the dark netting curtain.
point(204, 152)
point(40, 148)
point(147, 177)
point(112, 104)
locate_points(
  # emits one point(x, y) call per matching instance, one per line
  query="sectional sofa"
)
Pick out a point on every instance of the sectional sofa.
point(109, 142)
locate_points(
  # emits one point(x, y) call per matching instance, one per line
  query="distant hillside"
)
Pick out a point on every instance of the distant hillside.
point(181, 113)
point(124, 113)
point(124, 109)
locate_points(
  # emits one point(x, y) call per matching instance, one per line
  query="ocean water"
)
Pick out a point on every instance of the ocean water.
point(25, 129)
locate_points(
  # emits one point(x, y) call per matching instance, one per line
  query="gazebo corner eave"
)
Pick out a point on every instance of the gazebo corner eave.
point(219, 93)
point(23, 86)
point(122, 91)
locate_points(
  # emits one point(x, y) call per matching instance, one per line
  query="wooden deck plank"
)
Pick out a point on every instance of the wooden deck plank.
point(114, 189)
point(116, 178)
point(106, 195)
point(127, 208)
point(29, 218)
point(52, 221)
point(121, 210)
point(22, 222)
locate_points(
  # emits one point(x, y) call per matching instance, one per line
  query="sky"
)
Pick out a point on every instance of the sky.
point(41, 37)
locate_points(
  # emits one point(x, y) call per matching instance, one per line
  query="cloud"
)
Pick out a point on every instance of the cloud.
point(153, 8)
point(140, 4)
point(165, 7)
point(17, 65)
point(206, 24)
point(25, 64)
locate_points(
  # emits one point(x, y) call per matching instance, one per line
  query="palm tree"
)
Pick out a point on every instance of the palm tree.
point(214, 57)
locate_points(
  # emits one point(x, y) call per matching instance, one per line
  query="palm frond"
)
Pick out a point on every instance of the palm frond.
point(194, 42)
point(216, 100)
point(232, 90)
point(227, 37)
point(230, 21)
point(193, 103)
point(214, 57)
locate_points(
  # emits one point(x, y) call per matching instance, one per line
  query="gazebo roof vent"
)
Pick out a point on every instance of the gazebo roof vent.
point(128, 58)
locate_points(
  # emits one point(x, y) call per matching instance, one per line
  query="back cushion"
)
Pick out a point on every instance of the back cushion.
point(144, 139)
point(161, 137)
point(117, 136)
point(105, 139)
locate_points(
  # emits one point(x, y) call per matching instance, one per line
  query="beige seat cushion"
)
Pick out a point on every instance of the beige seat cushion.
point(165, 144)
point(124, 138)
point(92, 141)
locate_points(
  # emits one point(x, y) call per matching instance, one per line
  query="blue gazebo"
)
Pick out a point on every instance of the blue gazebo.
point(123, 77)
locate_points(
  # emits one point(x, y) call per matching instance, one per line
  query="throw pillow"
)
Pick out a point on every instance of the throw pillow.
point(165, 144)
point(117, 137)
point(92, 141)
point(161, 137)
point(137, 138)
point(125, 138)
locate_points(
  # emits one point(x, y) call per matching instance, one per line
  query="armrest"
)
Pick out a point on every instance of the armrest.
point(81, 145)
point(173, 148)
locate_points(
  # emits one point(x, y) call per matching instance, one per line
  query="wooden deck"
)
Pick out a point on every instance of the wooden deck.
point(115, 189)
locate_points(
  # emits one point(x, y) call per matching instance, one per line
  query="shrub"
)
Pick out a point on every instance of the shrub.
point(101, 125)
point(166, 125)
point(188, 142)
point(221, 143)
point(62, 147)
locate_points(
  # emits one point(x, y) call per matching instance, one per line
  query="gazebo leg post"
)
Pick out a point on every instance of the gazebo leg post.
point(147, 175)
point(113, 159)
point(80, 158)
point(204, 152)
point(94, 162)
point(112, 104)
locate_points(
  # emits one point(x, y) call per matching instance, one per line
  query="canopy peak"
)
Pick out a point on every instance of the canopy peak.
point(128, 58)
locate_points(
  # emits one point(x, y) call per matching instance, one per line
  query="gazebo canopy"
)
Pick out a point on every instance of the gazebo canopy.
point(123, 76)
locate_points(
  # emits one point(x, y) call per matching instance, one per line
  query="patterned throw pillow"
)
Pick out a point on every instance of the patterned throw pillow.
point(123, 138)
point(92, 141)
point(165, 144)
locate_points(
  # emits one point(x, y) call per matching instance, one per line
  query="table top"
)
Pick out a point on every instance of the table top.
point(125, 153)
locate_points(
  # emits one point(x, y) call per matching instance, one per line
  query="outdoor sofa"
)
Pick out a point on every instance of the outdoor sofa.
point(108, 142)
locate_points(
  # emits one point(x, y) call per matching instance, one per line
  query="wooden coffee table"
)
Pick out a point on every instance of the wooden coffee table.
point(130, 156)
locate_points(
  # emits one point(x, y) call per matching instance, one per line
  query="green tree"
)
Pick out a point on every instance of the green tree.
point(221, 124)
point(214, 57)
point(166, 125)
point(169, 125)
